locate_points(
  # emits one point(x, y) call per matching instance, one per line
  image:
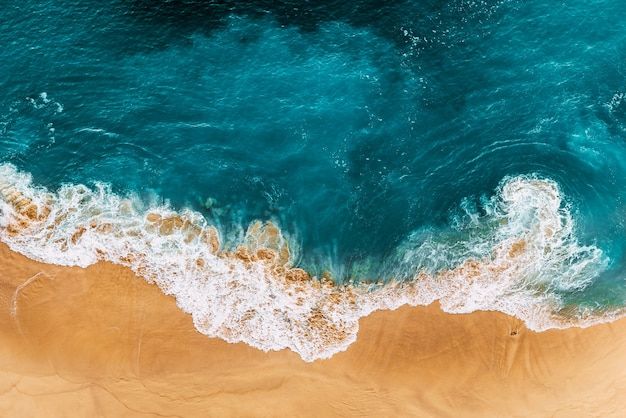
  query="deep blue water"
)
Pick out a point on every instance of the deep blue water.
point(350, 124)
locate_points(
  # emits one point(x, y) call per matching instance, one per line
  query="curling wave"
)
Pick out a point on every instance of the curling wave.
point(517, 255)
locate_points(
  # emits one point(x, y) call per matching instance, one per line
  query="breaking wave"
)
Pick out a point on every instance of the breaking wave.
point(518, 254)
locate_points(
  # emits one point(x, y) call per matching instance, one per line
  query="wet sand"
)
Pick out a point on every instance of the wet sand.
point(102, 342)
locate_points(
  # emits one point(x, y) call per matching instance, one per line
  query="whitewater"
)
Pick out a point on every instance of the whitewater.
point(519, 255)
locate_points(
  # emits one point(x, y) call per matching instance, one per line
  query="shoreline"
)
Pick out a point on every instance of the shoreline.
point(102, 342)
point(255, 294)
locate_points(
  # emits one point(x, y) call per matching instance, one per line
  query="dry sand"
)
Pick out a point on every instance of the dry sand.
point(102, 342)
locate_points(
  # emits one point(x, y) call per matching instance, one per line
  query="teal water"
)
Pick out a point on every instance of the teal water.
point(360, 128)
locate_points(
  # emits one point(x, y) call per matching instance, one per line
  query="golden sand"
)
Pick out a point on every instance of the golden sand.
point(102, 342)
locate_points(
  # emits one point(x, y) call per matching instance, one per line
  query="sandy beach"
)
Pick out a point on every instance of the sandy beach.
point(101, 342)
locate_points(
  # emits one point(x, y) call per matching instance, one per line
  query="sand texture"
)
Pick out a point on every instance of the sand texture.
point(100, 342)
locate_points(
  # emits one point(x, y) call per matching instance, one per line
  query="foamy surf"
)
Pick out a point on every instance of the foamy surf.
point(519, 253)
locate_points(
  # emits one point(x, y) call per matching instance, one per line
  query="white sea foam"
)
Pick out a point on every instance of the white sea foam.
point(519, 254)
point(616, 101)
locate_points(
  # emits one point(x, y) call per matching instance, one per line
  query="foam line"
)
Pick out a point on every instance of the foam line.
point(521, 252)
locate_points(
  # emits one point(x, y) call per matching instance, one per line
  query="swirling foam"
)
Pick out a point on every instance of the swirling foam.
point(515, 258)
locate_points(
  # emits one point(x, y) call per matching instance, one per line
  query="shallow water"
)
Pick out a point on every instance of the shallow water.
point(378, 135)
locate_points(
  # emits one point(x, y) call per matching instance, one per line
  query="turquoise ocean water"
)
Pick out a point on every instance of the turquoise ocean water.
point(383, 138)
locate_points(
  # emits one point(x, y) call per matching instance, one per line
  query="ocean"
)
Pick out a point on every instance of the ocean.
point(285, 168)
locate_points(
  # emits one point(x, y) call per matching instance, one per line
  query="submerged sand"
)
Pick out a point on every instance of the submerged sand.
point(101, 342)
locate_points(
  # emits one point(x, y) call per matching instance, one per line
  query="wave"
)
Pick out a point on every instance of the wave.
point(517, 255)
